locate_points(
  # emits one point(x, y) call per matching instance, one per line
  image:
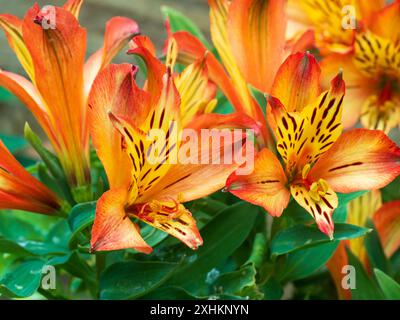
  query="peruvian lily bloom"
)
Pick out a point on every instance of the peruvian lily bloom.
point(386, 219)
point(372, 72)
point(318, 160)
point(333, 23)
point(122, 119)
point(50, 45)
point(20, 191)
point(250, 53)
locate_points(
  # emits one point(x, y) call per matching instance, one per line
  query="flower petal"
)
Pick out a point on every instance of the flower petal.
point(256, 31)
point(114, 90)
point(387, 222)
point(335, 266)
point(320, 207)
point(191, 49)
point(386, 23)
point(360, 159)
point(73, 6)
point(297, 82)
point(112, 229)
point(119, 31)
point(205, 162)
point(20, 190)
point(192, 85)
point(173, 218)
point(359, 211)
point(374, 55)
point(303, 138)
point(58, 57)
point(224, 121)
point(265, 186)
point(31, 98)
point(12, 27)
point(219, 33)
point(143, 47)
point(358, 87)
point(152, 145)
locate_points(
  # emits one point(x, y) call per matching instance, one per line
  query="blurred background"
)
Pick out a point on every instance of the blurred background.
point(94, 14)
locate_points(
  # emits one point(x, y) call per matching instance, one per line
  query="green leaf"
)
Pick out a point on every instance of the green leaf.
point(179, 22)
point(169, 293)
point(23, 280)
point(26, 248)
point(129, 280)
point(260, 98)
point(375, 252)
point(345, 198)
point(48, 158)
point(300, 237)
point(303, 263)
point(81, 217)
point(222, 236)
point(258, 251)
point(366, 288)
point(272, 289)
point(233, 283)
point(13, 143)
point(391, 191)
point(224, 106)
point(390, 288)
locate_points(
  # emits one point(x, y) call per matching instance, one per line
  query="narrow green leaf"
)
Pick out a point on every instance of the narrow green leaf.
point(27, 248)
point(258, 251)
point(300, 237)
point(390, 288)
point(81, 217)
point(132, 279)
point(48, 158)
point(366, 288)
point(375, 252)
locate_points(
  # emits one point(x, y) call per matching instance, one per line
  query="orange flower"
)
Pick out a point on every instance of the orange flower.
point(371, 72)
point(249, 36)
point(51, 45)
point(122, 117)
point(386, 219)
point(319, 160)
point(20, 191)
point(333, 23)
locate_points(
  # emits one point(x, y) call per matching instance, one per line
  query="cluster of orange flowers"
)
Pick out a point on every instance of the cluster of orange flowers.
point(302, 151)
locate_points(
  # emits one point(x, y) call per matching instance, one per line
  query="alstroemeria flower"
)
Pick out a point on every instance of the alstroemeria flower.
point(249, 36)
point(20, 191)
point(122, 117)
point(333, 23)
point(372, 72)
point(318, 160)
point(50, 45)
point(386, 219)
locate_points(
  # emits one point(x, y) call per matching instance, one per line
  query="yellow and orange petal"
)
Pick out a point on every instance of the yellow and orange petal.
point(387, 223)
point(265, 186)
point(19, 190)
point(112, 228)
point(360, 159)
